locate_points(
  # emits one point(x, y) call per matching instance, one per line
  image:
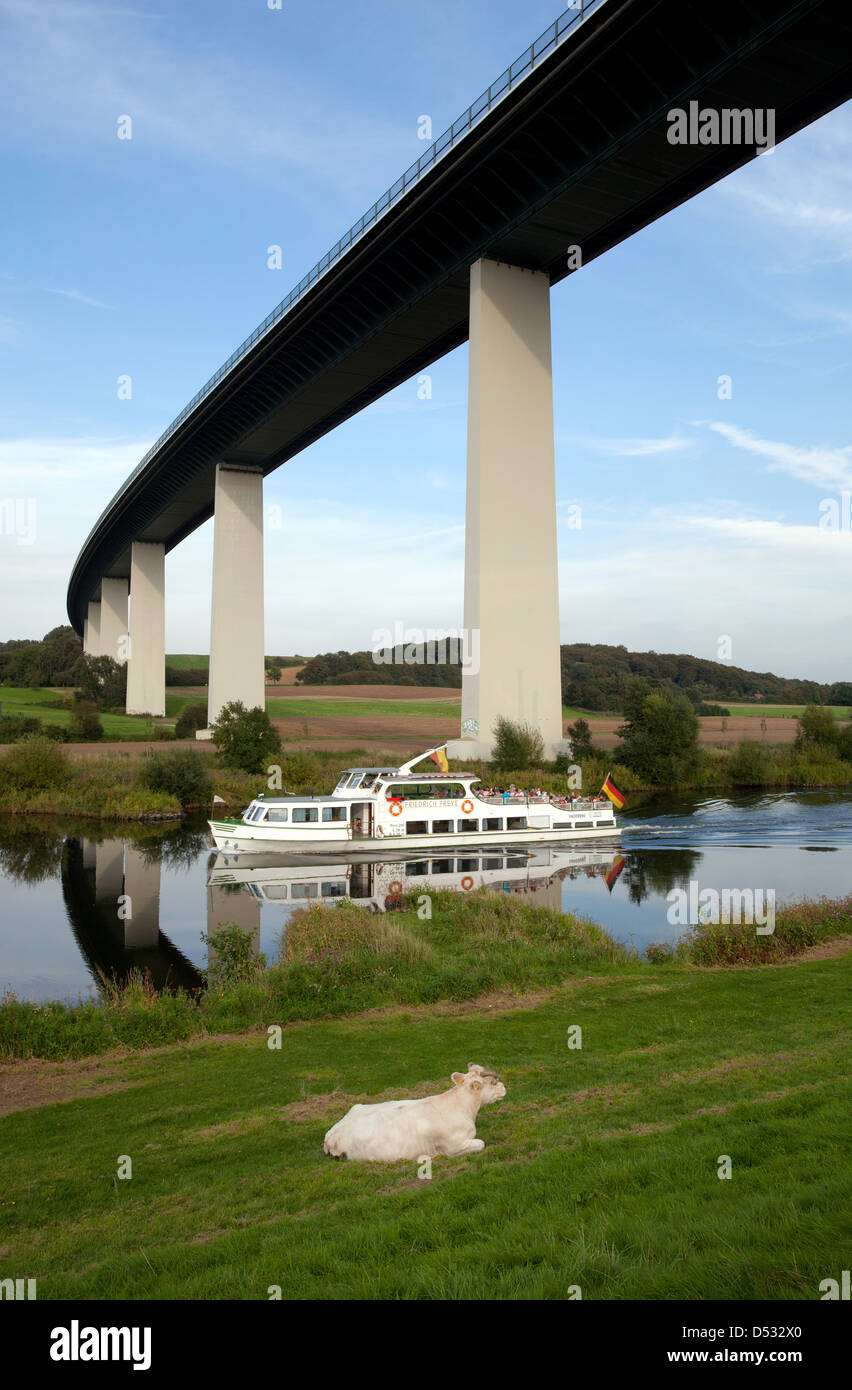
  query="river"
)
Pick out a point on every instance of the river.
point(79, 900)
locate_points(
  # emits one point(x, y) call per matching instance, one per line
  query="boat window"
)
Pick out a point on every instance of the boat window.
point(467, 866)
point(303, 890)
point(342, 783)
point(334, 813)
point(274, 891)
point(417, 868)
point(492, 823)
point(277, 813)
point(492, 863)
point(305, 813)
point(583, 824)
point(434, 791)
point(442, 866)
point(369, 779)
point(442, 827)
point(417, 827)
point(354, 779)
point(334, 890)
point(561, 825)
point(468, 825)
point(516, 822)
point(260, 814)
point(516, 861)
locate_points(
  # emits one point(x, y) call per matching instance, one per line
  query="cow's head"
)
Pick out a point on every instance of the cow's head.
point(485, 1084)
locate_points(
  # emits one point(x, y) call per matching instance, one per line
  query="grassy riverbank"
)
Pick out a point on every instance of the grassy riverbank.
point(112, 785)
point(601, 1166)
point(340, 960)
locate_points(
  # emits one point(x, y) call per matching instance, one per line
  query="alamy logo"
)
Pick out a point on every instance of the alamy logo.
point(17, 1288)
point(18, 519)
point(739, 906)
point(414, 646)
point(76, 1343)
point(727, 126)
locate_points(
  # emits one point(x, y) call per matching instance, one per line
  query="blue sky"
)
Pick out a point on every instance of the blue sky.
point(253, 127)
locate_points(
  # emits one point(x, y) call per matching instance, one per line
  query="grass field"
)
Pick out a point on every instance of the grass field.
point(778, 711)
point(187, 661)
point(600, 1166)
point(19, 701)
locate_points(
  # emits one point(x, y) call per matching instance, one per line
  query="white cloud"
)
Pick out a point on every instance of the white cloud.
point(80, 298)
point(817, 464)
point(636, 448)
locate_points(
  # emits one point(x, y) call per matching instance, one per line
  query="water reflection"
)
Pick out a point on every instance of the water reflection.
point(111, 891)
point(298, 880)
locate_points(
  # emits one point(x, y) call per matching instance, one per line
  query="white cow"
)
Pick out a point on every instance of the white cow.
point(444, 1124)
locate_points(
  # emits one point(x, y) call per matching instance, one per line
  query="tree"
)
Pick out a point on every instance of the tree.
point(273, 673)
point(517, 746)
point(581, 740)
point(191, 717)
point(86, 726)
point(101, 681)
point(817, 726)
point(245, 738)
point(660, 736)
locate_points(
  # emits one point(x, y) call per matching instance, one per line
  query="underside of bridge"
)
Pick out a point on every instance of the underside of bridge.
point(577, 155)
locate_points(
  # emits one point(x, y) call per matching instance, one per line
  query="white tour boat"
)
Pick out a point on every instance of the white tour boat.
point(372, 806)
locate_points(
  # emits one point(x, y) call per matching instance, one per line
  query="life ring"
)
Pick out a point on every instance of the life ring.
point(467, 882)
point(396, 808)
point(467, 807)
point(394, 888)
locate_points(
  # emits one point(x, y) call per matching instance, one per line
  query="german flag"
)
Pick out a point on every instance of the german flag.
point(439, 756)
point(611, 790)
point(614, 870)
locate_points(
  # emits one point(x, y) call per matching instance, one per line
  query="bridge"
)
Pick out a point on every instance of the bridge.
point(568, 153)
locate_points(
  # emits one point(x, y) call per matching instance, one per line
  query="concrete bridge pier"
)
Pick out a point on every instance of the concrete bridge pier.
point(146, 669)
point(511, 595)
point(113, 628)
point(92, 630)
point(236, 627)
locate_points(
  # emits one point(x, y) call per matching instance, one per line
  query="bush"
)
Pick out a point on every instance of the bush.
point(235, 957)
point(300, 771)
point(844, 743)
point(13, 727)
point(707, 711)
point(750, 765)
point(245, 737)
point(86, 726)
point(187, 675)
point(192, 717)
point(60, 733)
point(660, 953)
point(35, 762)
point(816, 726)
point(517, 745)
point(181, 772)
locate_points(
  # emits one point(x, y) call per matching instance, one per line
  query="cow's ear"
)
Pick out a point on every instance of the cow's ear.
point(457, 1077)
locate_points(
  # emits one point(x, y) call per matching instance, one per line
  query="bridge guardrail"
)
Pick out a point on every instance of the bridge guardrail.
point(552, 38)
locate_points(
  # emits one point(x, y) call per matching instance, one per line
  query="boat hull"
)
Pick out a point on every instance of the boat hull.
point(238, 838)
